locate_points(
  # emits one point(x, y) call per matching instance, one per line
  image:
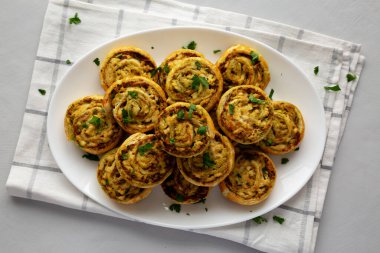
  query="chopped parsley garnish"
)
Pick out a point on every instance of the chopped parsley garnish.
point(265, 172)
point(259, 219)
point(298, 148)
point(153, 72)
point(197, 80)
point(336, 87)
point(125, 156)
point(207, 160)
point(166, 69)
point(350, 77)
point(179, 197)
point(175, 207)
point(68, 62)
point(191, 110)
point(192, 45)
point(316, 70)
point(95, 121)
point(91, 157)
point(202, 130)
point(144, 148)
point(278, 219)
point(96, 61)
point(204, 82)
point(217, 51)
point(271, 93)
point(284, 160)
point(84, 125)
point(42, 92)
point(106, 182)
point(181, 114)
point(269, 142)
point(254, 57)
point(133, 94)
point(198, 64)
point(255, 100)
point(126, 118)
point(75, 20)
point(172, 140)
point(203, 201)
point(231, 109)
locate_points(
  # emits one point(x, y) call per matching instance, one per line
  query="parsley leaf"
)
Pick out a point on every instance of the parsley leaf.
point(278, 219)
point(298, 148)
point(217, 51)
point(84, 125)
point(179, 197)
point(166, 69)
point(68, 62)
point(192, 45)
point(95, 121)
point(336, 87)
point(231, 109)
point(181, 114)
point(255, 100)
point(96, 61)
point(207, 160)
point(172, 140)
point(350, 77)
point(133, 94)
point(191, 110)
point(75, 20)
point(42, 92)
point(175, 207)
point(198, 64)
point(144, 148)
point(153, 72)
point(125, 156)
point(126, 118)
point(204, 82)
point(284, 160)
point(271, 93)
point(316, 70)
point(91, 157)
point(259, 219)
point(195, 83)
point(265, 172)
point(202, 130)
point(254, 57)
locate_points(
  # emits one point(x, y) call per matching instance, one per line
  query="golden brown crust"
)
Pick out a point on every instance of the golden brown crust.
point(194, 80)
point(184, 129)
point(171, 60)
point(124, 62)
point(212, 166)
point(181, 191)
point(142, 162)
point(245, 114)
point(251, 180)
point(135, 103)
point(90, 126)
point(287, 130)
point(114, 185)
point(239, 67)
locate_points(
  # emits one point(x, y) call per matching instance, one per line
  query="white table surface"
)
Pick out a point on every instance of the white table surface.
point(351, 217)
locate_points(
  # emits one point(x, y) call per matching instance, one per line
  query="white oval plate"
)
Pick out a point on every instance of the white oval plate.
point(287, 80)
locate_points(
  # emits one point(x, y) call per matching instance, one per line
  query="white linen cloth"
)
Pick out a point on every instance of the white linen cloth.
point(35, 175)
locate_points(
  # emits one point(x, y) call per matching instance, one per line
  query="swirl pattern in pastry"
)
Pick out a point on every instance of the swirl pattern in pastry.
point(114, 185)
point(135, 103)
point(142, 162)
point(89, 125)
point(185, 130)
point(212, 166)
point(251, 180)
point(242, 65)
point(125, 62)
point(245, 114)
point(287, 130)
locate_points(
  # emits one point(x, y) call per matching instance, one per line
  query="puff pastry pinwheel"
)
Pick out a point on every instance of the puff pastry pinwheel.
point(184, 129)
point(125, 62)
point(171, 60)
point(182, 191)
point(287, 130)
point(242, 65)
point(212, 166)
point(251, 180)
point(194, 80)
point(135, 103)
point(88, 124)
point(245, 114)
point(114, 185)
point(142, 162)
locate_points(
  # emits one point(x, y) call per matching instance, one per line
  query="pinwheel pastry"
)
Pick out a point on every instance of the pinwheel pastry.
point(185, 130)
point(212, 166)
point(142, 162)
point(287, 130)
point(245, 114)
point(171, 60)
point(125, 62)
point(194, 80)
point(135, 103)
point(114, 185)
point(182, 191)
point(242, 65)
point(251, 180)
point(90, 126)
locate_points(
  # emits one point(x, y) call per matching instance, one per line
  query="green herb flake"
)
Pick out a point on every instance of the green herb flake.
point(191, 110)
point(175, 207)
point(96, 61)
point(153, 72)
point(91, 157)
point(265, 172)
point(204, 82)
point(198, 65)
point(350, 77)
point(126, 118)
point(202, 130)
point(298, 148)
point(316, 70)
point(84, 125)
point(255, 100)
point(336, 87)
point(95, 121)
point(231, 109)
point(181, 114)
point(133, 94)
point(192, 45)
point(284, 160)
point(179, 197)
point(144, 148)
point(68, 62)
point(271, 93)
point(166, 69)
point(106, 182)
point(217, 51)
point(259, 219)
point(196, 82)
point(207, 160)
point(125, 156)
point(172, 140)
point(75, 20)
point(254, 57)
point(278, 219)
point(42, 92)
point(269, 142)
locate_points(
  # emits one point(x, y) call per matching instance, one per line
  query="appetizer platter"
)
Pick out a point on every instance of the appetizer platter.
point(190, 132)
